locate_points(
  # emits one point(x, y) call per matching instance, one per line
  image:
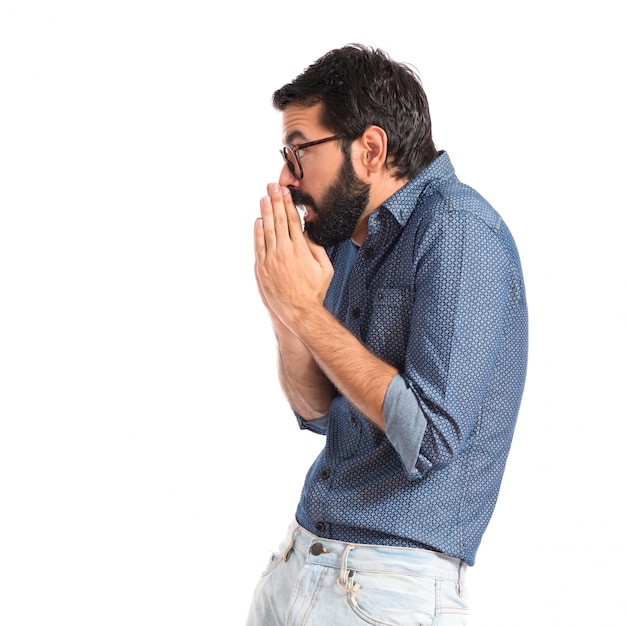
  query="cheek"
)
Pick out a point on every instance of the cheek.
point(324, 170)
point(319, 188)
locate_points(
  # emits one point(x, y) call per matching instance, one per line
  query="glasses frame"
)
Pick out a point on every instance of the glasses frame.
point(295, 148)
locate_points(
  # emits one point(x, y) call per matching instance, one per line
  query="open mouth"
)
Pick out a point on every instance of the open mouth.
point(302, 212)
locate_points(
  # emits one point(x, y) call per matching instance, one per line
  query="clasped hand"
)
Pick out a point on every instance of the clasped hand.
point(293, 273)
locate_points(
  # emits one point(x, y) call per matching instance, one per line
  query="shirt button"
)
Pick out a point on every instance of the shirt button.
point(368, 253)
point(355, 312)
point(325, 473)
point(320, 527)
point(353, 420)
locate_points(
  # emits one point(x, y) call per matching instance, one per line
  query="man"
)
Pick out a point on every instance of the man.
point(401, 324)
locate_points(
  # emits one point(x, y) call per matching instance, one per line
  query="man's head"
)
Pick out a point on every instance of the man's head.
point(358, 87)
point(356, 128)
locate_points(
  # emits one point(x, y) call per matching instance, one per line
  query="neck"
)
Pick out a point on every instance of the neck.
point(378, 194)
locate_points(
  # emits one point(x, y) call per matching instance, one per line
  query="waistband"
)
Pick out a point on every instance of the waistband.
point(362, 557)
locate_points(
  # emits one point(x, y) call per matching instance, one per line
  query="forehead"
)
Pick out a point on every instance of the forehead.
point(301, 123)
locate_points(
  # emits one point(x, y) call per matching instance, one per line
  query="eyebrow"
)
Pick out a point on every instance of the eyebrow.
point(294, 136)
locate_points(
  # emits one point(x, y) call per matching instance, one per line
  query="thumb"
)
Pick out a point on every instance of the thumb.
point(319, 254)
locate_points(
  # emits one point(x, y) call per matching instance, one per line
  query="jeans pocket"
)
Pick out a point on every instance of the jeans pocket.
point(452, 607)
point(391, 599)
point(274, 562)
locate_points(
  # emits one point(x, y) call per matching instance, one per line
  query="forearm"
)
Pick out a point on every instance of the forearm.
point(361, 377)
point(307, 389)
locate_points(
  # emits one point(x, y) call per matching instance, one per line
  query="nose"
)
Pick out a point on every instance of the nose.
point(286, 178)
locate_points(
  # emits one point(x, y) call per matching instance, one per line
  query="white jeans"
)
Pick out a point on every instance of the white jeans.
point(312, 581)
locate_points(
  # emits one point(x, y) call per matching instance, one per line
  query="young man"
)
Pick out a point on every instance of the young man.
point(401, 323)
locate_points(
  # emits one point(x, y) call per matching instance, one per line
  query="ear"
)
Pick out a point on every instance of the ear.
point(370, 151)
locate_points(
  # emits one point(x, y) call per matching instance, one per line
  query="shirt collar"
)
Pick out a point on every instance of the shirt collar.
point(402, 203)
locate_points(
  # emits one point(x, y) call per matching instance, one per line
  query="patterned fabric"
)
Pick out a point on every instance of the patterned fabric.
point(436, 290)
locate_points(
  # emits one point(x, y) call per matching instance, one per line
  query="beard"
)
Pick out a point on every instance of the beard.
point(339, 210)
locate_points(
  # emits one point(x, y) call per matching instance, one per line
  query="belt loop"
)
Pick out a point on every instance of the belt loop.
point(461, 582)
point(290, 545)
point(345, 576)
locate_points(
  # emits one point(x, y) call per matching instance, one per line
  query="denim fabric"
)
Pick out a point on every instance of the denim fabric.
point(311, 581)
point(437, 290)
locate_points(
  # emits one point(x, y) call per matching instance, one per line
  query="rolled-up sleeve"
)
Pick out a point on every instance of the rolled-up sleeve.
point(459, 315)
point(405, 422)
point(318, 426)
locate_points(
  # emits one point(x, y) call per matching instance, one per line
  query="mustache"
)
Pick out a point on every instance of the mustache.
point(299, 197)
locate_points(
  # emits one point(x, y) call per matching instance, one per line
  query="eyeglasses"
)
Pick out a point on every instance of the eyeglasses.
point(292, 159)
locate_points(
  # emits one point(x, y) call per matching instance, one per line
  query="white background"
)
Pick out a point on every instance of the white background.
point(148, 462)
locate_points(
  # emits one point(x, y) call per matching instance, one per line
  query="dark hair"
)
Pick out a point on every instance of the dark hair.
point(359, 86)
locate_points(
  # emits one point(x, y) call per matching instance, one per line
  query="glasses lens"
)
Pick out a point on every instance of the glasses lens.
point(292, 162)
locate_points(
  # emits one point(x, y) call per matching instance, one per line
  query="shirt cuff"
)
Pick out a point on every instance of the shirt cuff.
point(319, 425)
point(405, 422)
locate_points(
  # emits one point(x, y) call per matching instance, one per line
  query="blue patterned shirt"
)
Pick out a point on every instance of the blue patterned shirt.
point(437, 291)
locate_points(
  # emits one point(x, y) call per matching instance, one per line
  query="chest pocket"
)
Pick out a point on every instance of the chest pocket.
point(390, 323)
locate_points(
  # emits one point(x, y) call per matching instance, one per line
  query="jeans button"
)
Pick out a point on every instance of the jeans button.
point(316, 549)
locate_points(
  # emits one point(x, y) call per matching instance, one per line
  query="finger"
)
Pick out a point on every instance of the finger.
point(293, 217)
point(260, 248)
point(267, 224)
point(280, 221)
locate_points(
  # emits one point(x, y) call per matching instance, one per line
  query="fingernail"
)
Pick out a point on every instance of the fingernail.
point(274, 187)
